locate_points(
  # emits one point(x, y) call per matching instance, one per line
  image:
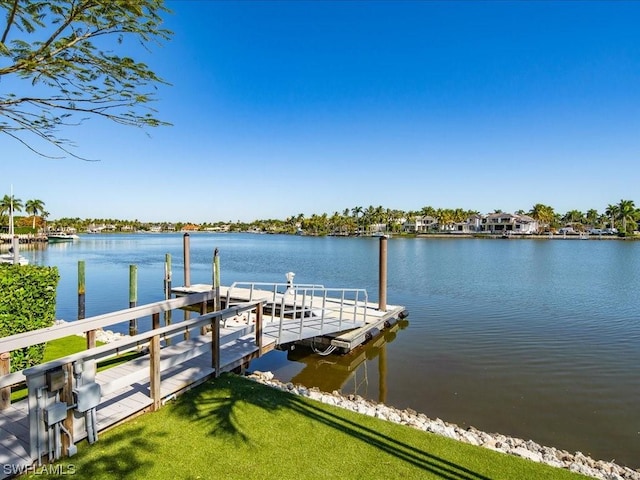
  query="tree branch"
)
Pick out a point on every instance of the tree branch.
point(12, 15)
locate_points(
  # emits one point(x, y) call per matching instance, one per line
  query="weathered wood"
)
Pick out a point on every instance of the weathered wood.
point(154, 373)
point(203, 310)
point(5, 369)
point(91, 339)
point(216, 278)
point(81, 290)
point(43, 335)
point(67, 396)
point(109, 349)
point(187, 316)
point(167, 291)
point(382, 277)
point(187, 260)
point(155, 320)
point(133, 297)
point(215, 345)
point(259, 328)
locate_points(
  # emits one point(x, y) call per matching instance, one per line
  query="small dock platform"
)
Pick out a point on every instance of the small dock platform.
point(334, 320)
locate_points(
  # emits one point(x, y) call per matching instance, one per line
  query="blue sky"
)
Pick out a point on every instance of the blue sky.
point(280, 108)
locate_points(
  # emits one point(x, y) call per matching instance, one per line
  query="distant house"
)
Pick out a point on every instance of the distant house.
point(419, 224)
point(473, 224)
point(501, 223)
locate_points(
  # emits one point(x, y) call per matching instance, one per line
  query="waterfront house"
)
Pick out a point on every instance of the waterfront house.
point(419, 224)
point(471, 225)
point(509, 223)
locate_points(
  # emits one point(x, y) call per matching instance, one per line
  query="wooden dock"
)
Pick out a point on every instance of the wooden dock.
point(69, 400)
point(332, 321)
point(177, 357)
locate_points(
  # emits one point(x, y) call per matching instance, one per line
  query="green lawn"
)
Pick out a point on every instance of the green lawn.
point(234, 428)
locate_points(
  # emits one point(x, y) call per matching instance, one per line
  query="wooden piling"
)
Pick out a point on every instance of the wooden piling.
point(81, 289)
point(67, 396)
point(91, 334)
point(382, 276)
point(133, 297)
point(187, 260)
point(203, 311)
point(154, 373)
point(215, 345)
point(5, 369)
point(258, 328)
point(216, 278)
point(167, 291)
point(187, 273)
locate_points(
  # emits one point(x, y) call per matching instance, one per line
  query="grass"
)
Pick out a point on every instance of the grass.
point(234, 428)
point(62, 347)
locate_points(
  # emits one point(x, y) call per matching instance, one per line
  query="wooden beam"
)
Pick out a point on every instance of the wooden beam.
point(215, 345)
point(5, 369)
point(154, 373)
point(258, 327)
point(67, 396)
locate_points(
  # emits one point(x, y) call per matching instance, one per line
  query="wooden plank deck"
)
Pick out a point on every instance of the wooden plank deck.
point(126, 387)
point(346, 325)
point(14, 438)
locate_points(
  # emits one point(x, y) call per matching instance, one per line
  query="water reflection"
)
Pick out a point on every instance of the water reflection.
point(350, 373)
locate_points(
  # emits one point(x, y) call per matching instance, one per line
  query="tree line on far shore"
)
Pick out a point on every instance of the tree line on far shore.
point(622, 215)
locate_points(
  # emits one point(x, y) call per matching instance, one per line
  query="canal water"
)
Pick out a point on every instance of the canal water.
point(538, 339)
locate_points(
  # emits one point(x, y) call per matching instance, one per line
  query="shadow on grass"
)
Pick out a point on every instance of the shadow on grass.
point(216, 406)
point(124, 463)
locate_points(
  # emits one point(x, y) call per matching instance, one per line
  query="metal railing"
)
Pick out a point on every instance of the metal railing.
point(296, 306)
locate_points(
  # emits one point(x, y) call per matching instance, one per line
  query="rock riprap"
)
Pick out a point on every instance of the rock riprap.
point(575, 462)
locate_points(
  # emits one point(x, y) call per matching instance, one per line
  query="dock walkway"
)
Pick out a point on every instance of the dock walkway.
point(176, 357)
point(125, 389)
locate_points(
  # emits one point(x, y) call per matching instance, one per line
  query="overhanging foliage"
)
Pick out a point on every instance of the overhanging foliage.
point(62, 50)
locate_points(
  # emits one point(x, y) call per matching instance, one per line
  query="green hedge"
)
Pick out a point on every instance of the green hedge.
point(27, 302)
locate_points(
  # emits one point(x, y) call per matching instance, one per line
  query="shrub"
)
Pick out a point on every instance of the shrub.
point(27, 302)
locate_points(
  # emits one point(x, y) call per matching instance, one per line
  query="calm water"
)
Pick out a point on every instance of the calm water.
point(537, 339)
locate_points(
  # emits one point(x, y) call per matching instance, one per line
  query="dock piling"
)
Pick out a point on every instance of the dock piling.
point(5, 369)
point(133, 297)
point(167, 291)
point(382, 276)
point(216, 278)
point(187, 260)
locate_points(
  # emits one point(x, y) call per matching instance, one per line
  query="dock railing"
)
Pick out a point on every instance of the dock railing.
point(63, 394)
point(304, 305)
point(90, 325)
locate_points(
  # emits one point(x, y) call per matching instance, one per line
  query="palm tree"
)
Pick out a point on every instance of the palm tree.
point(45, 215)
point(34, 207)
point(10, 204)
point(612, 212)
point(544, 214)
point(592, 216)
point(626, 212)
point(573, 216)
point(356, 211)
